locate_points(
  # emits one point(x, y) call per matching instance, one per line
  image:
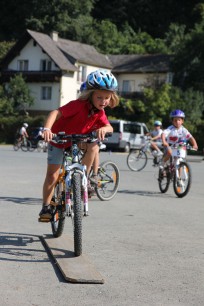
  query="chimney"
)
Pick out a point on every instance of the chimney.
point(54, 36)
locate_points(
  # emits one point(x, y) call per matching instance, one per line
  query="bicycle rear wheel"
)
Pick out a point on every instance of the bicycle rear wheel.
point(164, 179)
point(137, 160)
point(58, 210)
point(108, 181)
point(183, 183)
point(77, 217)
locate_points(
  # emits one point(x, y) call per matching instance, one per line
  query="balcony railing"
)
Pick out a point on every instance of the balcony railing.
point(31, 76)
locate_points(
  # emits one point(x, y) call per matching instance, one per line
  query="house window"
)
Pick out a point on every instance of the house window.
point(23, 65)
point(81, 74)
point(46, 93)
point(128, 86)
point(169, 78)
point(45, 65)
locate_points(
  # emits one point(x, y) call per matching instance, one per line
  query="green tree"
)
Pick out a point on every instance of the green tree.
point(16, 97)
point(189, 60)
point(5, 46)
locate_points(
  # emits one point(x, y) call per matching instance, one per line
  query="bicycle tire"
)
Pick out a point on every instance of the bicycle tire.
point(24, 146)
point(31, 148)
point(185, 182)
point(58, 211)
point(164, 179)
point(108, 181)
point(16, 145)
point(136, 160)
point(77, 208)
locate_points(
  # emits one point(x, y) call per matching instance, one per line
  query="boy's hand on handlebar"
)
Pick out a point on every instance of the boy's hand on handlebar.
point(47, 135)
point(101, 133)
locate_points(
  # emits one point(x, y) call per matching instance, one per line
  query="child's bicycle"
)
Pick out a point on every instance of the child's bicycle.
point(24, 144)
point(71, 190)
point(177, 170)
point(137, 158)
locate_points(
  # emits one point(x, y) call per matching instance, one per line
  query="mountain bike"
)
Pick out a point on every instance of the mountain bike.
point(71, 190)
point(177, 170)
point(24, 144)
point(108, 176)
point(137, 158)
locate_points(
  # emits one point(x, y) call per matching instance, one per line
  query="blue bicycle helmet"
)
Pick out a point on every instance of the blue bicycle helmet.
point(157, 123)
point(83, 86)
point(177, 113)
point(101, 79)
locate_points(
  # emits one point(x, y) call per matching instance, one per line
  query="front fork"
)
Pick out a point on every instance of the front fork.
point(178, 170)
point(68, 190)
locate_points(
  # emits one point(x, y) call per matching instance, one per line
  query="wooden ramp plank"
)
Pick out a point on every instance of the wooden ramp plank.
point(74, 269)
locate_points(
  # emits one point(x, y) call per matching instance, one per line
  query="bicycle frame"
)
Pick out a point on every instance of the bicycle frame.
point(69, 170)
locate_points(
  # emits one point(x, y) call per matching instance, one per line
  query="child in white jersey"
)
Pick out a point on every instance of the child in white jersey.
point(176, 133)
point(156, 142)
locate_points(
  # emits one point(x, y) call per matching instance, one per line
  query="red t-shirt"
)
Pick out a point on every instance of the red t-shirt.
point(78, 118)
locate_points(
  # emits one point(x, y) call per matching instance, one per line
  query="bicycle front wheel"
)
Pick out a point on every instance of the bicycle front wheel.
point(136, 160)
point(164, 179)
point(58, 210)
point(182, 183)
point(77, 208)
point(24, 146)
point(31, 148)
point(108, 181)
point(16, 145)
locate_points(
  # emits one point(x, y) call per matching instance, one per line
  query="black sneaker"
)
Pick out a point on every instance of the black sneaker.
point(45, 212)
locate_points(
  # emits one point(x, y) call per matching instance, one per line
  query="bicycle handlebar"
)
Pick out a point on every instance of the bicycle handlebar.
point(61, 137)
point(182, 144)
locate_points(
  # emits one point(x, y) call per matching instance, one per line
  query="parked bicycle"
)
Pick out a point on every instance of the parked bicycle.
point(24, 144)
point(42, 146)
point(71, 193)
point(137, 158)
point(177, 170)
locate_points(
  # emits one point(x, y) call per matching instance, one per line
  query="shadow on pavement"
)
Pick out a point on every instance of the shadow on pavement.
point(25, 248)
point(26, 201)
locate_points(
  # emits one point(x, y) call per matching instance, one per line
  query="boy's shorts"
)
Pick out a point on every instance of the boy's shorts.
point(55, 155)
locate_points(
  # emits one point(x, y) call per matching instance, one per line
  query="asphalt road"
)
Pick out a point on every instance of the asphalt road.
point(147, 246)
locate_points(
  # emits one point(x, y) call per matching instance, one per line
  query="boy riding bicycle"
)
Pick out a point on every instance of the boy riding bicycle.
point(176, 133)
point(81, 116)
point(156, 142)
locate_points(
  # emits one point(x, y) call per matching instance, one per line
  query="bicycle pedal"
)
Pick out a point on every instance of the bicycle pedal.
point(43, 220)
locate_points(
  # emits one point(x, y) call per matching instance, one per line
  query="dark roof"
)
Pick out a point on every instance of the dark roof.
point(83, 53)
point(63, 52)
point(52, 50)
point(132, 63)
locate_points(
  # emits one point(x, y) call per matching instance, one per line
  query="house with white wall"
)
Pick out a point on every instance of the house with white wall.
point(54, 68)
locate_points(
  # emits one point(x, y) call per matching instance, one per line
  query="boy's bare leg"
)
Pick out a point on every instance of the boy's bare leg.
point(91, 157)
point(49, 183)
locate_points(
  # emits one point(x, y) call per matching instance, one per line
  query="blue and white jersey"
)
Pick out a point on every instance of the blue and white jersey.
point(174, 135)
